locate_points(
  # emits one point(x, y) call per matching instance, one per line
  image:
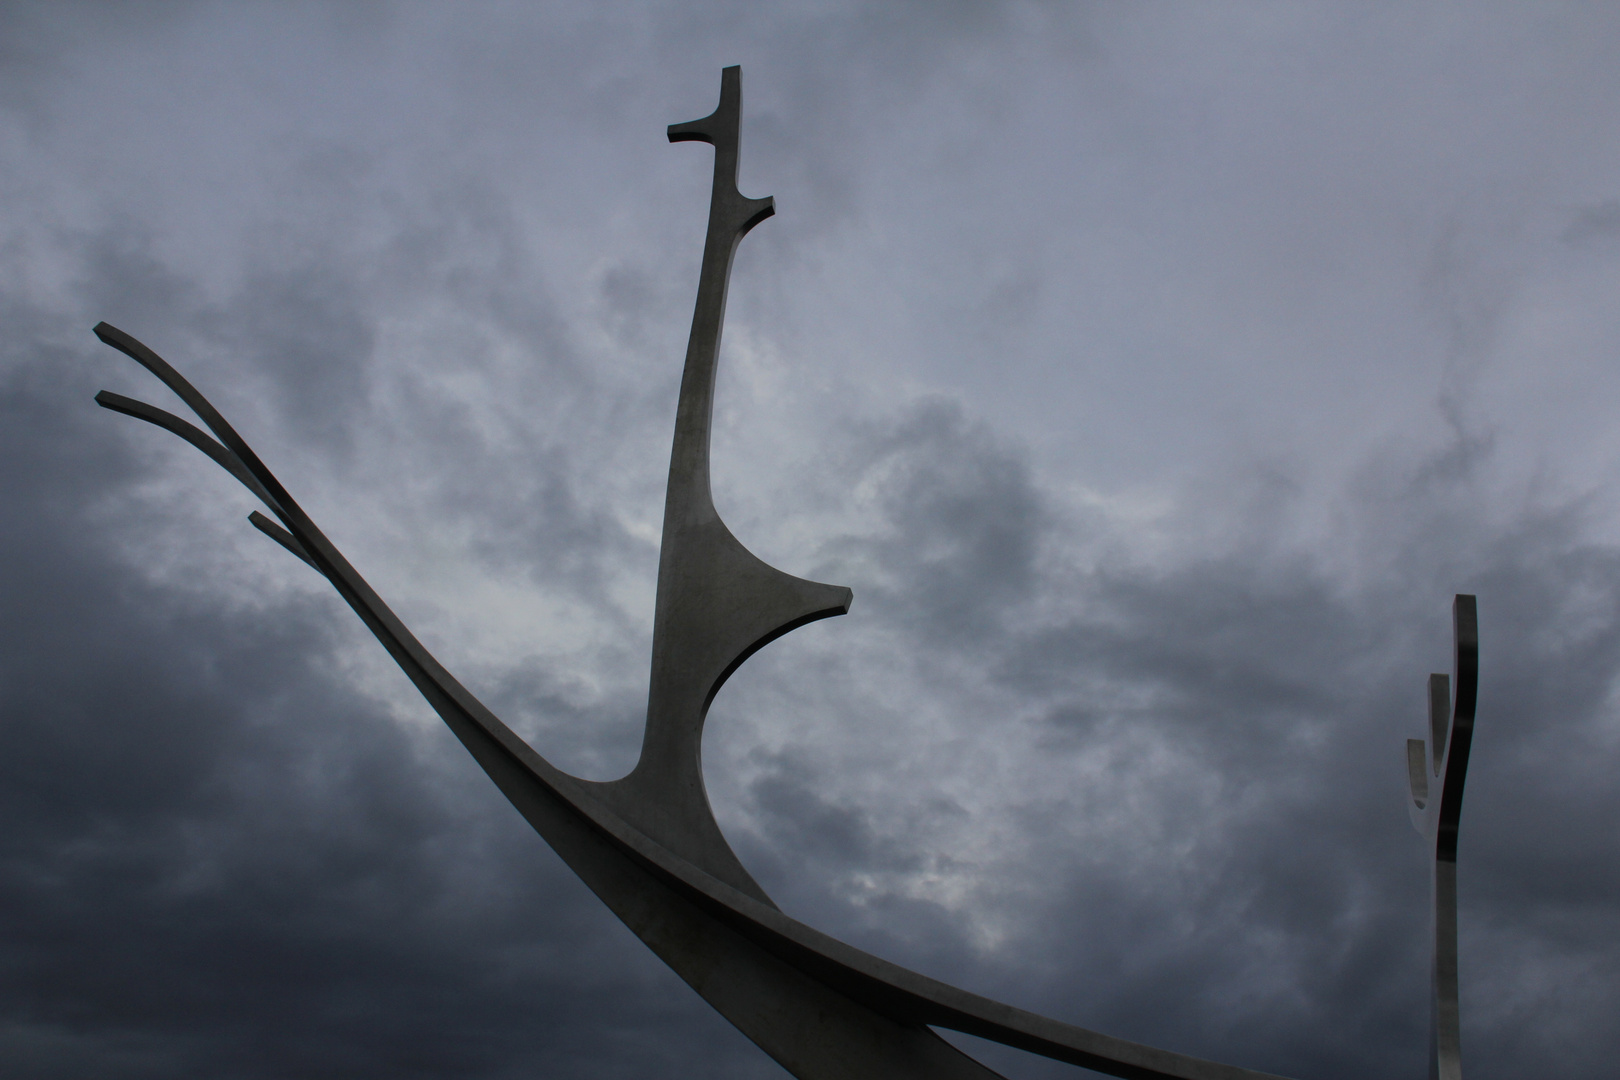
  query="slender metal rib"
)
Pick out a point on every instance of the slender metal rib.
point(717, 602)
point(221, 456)
point(282, 537)
point(226, 460)
point(279, 501)
point(1436, 815)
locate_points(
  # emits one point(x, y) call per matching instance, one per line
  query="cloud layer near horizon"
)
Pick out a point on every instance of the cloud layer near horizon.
point(1154, 377)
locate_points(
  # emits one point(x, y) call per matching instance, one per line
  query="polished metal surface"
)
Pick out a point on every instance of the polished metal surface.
point(1436, 768)
point(648, 844)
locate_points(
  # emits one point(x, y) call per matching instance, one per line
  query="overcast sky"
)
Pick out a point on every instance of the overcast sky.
point(1154, 375)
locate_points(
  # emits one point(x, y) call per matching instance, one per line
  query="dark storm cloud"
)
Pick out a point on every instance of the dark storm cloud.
point(1594, 224)
point(35, 36)
point(962, 522)
point(304, 331)
point(218, 859)
point(1271, 892)
point(1128, 754)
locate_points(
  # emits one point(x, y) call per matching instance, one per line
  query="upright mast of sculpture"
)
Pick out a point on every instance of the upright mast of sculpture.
point(1443, 757)
point(717, 603)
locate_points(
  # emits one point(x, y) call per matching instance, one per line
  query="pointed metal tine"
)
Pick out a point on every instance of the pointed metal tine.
point(284, 538)
point(1417, 776)
point(1465, 623)
point(1439, 718)
point(194, 435)
point(280, 501)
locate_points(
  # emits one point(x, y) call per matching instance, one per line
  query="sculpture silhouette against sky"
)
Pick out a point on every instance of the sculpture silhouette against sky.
point(648, 844)
point(1442, 759)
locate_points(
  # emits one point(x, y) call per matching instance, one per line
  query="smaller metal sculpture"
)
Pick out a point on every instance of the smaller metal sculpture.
point(1443, 758)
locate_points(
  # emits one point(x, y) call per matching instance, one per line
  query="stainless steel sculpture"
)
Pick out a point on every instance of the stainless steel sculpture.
point(648, 844)
point(1443, 759)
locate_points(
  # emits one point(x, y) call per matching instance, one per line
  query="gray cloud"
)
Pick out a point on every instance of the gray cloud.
point(1598, 222)
point(962, 523)
point(218, 858)
point(1154, 382)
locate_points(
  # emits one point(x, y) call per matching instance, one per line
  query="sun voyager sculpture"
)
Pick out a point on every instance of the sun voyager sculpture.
point(648, 844)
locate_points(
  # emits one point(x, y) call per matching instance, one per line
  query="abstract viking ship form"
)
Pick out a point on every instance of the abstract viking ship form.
point(648, 844)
